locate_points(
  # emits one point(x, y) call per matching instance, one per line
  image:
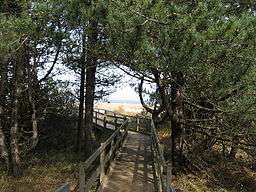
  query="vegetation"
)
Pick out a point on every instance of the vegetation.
point(45, 173)
point(197, 56)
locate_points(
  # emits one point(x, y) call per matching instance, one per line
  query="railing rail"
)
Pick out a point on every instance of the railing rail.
point(161, 167)
point(92, 172)
point(102, 157)
point(104, 118)
point(137, 122)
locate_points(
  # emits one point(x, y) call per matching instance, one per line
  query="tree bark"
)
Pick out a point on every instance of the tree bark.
point(90, 85)
point(177, 112)
point(31, 77)
point(80, 125)
point(15, 153)
point(3, 147)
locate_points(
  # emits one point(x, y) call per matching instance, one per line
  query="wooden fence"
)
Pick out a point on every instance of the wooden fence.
point(95, 167)
point(93, 171)
point(106, 118)
point(162, 169)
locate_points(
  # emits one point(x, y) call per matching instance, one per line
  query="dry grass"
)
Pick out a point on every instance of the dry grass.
point(217, 174)
point(210, 171)
point(47, 171)
point(45, 174)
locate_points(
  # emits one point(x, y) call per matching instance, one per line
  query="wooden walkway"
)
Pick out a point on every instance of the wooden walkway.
point(132, 170)
point(127, 161)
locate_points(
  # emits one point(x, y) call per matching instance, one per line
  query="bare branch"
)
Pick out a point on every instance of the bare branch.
point(140, 89)
point(53, 64)
point(203, 108)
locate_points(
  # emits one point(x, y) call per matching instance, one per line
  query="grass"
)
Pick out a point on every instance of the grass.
point(210, 171)
point(216, 174)
point(46, 173)
point(47, 170)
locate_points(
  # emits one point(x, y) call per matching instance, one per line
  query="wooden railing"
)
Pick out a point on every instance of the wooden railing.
point(161, 168)
point(93, 170)
point(104, 118)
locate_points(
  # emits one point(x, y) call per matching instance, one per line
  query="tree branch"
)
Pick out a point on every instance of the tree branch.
point(53, 64)
point(140, 89)
point(203, 108)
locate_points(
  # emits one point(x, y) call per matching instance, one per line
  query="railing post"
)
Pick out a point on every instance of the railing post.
point(96, 117)
point(102, 165)
point(81, 178)
point(138, 124)
point(105, 119)
point(115, 120)
point(125, 131)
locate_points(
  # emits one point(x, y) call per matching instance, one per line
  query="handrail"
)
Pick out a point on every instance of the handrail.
point(113, 118)
point(100, 160)
point(105, 154)
point(108, 112)
point(103, 117)
point(161, 167)
point(122, 115)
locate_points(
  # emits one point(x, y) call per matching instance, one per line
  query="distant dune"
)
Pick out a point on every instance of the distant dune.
point(125, 108)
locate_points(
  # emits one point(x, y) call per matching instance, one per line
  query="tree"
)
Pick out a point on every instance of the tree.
point(86, 28)
point(21, 51)
point(198, 55)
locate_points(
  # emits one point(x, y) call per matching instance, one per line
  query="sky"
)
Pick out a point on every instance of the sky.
point(124, 93)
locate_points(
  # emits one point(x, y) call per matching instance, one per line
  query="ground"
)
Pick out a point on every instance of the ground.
point(47, 170)
point(217, 174)
point(46, 173)
point(210, 171)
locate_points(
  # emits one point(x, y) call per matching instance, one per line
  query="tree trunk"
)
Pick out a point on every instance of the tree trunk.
point(3, 148)
point(31, 78)
point(90, 85)
point(80, 126)
point(10, 134)
point(15, 153)
point(177, 113)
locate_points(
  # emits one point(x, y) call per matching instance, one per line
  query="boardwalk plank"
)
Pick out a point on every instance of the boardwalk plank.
point(132, 170)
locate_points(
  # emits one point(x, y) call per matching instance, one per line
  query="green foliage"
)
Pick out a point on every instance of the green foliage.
point(13, 29)
point(212, 46)
point(61, 100)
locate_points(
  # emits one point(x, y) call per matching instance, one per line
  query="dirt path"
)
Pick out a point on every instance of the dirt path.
point(132, 170)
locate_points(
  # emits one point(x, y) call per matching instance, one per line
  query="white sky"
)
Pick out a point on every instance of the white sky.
point(123, 93)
